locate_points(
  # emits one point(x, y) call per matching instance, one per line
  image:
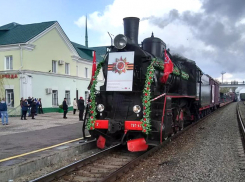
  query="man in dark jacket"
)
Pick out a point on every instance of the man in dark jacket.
point(81, 108)
point(29, 100)
point(3, 110)
point(65, 108)
point(24, 107)
point(33, 109)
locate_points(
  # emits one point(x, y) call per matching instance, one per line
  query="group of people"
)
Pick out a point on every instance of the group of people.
point(3, 111)
point(76, 105)
point(30, 106)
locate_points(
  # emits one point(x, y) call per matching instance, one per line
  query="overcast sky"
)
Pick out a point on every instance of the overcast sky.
point(210, 32)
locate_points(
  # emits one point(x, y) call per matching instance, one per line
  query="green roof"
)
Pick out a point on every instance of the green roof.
point(83, 51)
point(100, 52)
point(14, 33)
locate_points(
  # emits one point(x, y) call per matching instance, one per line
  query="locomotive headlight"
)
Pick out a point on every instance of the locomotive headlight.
point(136, 109)
point(120, 41)
point(100, 107)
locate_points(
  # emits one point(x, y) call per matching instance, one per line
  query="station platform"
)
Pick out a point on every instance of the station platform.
point(24, 142)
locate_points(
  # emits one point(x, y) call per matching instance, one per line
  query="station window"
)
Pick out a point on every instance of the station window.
point(67, 68)
point(86, 97)
point(86, 72)
point(9, 62)
point(67, 96)
point(77, 69)
point(54, 66)
point(9, 94)
point(55, 97)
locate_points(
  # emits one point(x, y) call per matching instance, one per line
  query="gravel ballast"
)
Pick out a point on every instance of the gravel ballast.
point(210, 151)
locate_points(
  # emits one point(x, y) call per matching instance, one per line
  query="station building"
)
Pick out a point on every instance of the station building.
point(39, 60)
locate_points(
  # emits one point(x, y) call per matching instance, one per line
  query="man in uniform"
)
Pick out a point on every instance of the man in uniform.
point(81, 108)
point(65, 108)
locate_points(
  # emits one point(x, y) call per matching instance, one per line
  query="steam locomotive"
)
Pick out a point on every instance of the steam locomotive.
point(139, 110)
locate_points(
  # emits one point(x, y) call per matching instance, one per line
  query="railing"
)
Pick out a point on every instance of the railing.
point(233, 83)
point(16, 111)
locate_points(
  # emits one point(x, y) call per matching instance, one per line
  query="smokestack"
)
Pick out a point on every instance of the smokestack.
point(131, 28)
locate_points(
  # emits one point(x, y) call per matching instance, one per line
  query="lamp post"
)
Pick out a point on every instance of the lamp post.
point(222, 73)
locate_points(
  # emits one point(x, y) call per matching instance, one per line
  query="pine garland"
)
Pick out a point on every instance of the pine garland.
point(92, 109)
point(160, 66)
point(146, 103)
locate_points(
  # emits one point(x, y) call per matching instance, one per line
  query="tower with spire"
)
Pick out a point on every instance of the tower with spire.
point(86, 34)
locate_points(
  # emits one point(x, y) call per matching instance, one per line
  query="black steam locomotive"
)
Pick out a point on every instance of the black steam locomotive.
point(134, 106)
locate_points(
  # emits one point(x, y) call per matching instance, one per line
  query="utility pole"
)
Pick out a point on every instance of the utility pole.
point(86, 33)
point(222, 73)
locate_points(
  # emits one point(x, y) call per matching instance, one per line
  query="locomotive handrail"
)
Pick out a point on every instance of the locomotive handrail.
point(158, 97)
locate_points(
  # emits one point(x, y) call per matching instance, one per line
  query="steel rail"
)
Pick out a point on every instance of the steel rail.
point(114, 175)
point(71, 167)
point(240, 122)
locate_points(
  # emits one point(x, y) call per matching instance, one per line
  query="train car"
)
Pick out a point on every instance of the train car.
point(237, 93)
point(233, 96)
point(242, 95)
point(138, 105)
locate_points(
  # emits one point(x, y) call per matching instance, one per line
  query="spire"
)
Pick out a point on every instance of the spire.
point(86, 34)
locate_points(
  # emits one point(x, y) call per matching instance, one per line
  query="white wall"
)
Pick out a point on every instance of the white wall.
point(41, 82)
point(27, 85)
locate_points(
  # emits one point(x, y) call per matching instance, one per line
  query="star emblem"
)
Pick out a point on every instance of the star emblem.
point(120, 66)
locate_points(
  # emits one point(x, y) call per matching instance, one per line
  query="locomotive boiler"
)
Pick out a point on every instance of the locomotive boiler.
point(135, 107)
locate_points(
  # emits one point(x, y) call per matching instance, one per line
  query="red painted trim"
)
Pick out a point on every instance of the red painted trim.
point(137, 145)
point(101, 124)
point(133, 125)
point(101, 142)
point(162, 119)
point(205, 107)
point(181, 115)
point(223, 104)
point(192, 117)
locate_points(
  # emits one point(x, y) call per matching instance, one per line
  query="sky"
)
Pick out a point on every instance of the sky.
point(212, 33)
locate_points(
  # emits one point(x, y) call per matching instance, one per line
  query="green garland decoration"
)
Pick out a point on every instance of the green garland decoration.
point(146, 101)
point(92, 109)
point(158, 64)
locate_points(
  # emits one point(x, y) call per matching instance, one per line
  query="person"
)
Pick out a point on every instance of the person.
point(74, 106)
point(81, 108)
point(21, 100)
point(40, 108)
point(24, 109)
point(0, 111)
point(33, 108)
point(37, 105)
point(29, 100)
point(65, 108)
point(3, 110)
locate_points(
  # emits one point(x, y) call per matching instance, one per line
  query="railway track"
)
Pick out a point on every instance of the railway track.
point(241, 122)
point(107, 165)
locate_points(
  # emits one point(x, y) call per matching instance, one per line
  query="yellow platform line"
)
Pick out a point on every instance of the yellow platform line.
point(40, 150)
